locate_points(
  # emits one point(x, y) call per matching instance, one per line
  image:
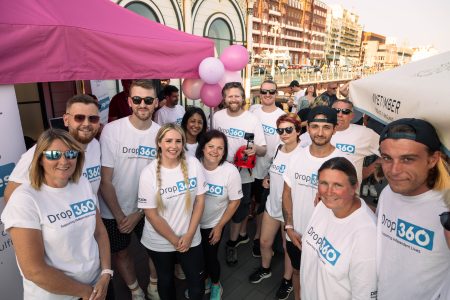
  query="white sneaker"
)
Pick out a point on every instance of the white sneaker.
point(372, 191)
point(138, 295)
point(179, 272)
point(365, 190)
point(152, 292)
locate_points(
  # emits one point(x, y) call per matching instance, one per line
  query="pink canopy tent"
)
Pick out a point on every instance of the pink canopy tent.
point(60, 40)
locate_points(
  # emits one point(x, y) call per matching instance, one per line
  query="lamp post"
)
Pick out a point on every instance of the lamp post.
point(276, 29)
point(248, 70)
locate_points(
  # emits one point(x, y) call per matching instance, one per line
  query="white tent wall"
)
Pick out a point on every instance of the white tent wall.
point(11, 148)
point(415, 90)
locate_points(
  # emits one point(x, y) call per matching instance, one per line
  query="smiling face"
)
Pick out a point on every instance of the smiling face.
point(335, 190)
point(343, 120)
point(266, 98)
point(406, 165)
point(171, 145)
point(213, 151)
point(84, 131)
point(58, 172)
point(142, 111)
point(233, 100)
point(321, 132)
point(194, 125)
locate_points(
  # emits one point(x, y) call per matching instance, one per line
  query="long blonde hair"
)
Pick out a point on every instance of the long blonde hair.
point(184, 168)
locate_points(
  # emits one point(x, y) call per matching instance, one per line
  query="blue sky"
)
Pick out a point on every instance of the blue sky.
point(413, 22)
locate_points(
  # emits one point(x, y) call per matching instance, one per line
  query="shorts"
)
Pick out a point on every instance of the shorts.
point(244, 207)
point(118, 240)
point(260, 194)
point(295, 254)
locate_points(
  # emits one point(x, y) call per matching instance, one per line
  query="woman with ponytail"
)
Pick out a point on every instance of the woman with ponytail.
point(171, 193)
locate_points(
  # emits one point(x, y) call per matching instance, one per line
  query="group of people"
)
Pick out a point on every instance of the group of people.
point(73, 203)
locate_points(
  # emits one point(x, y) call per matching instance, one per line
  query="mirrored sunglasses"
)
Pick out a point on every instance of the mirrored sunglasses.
point(288, 130)
point(56, 154)
point(445, 220)
point(80, 118)
point(265, 92)
point(147, 100)
point(345, 111)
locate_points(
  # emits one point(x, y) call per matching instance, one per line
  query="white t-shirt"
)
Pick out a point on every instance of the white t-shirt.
point(269, 124)
point(357, 140)
point(127, 150)
point(191, 148)
point(91, 167)
point(172, 191)
point(223, 185)
point(66, 219)
point(235, 128)
point(276, 171)
point(412, 254)
point(339, 255)
point(166, 115)
point(302, 177)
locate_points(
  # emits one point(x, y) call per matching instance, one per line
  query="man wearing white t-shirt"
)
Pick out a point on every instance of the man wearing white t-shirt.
point(268, 114)
point(83, 121)
point(413, 257)
point(356, 140)
point(128, 145)
point(300, 182)
point(172, 112)
point(235, 122)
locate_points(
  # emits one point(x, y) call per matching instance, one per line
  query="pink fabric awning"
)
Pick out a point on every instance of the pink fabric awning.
point(60, 40)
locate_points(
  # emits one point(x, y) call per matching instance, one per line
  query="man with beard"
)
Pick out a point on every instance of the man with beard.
point(128, 145)
point(300, 182)
point(172, 112)
point(235, 122)
point(83, 121)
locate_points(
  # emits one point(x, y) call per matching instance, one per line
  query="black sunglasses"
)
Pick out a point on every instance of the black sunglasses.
point(345, 111)
point(288, 130)
point(56, 154)
point(265, 92)
point(147, 100)
point(80, 118)
point(445, 220)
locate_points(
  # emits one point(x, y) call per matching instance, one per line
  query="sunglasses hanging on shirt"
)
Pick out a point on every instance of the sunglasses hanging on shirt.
point(445, 220)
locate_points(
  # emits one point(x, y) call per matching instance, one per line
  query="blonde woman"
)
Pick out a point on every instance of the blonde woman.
point(171, 192)
point(61, 244)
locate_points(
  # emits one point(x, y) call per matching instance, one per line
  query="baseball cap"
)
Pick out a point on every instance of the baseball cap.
point(329, 113)
point(423, 132)
point(294, 83)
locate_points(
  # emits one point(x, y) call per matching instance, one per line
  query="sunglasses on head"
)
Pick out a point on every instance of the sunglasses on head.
point(345, 111)
point(265, 92)
point(147, 100)
point(80, 118)
point(288, 130)
point(56, 154)
point(445, 220)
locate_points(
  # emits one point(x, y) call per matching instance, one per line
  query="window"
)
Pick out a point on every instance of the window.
point(143, 10)
point(221, 34)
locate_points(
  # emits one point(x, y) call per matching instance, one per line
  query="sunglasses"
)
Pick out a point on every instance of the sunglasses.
point(79, 118)
point(288, 130)
point(147, 100)
point(265, 92)
point(56, 154)
point(445, 220)
point(345, 111)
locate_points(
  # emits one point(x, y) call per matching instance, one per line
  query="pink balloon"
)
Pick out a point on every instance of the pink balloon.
point(230, 76)
point(234, 57)
point(211, 70)
point(191, 88)
point(211, 94)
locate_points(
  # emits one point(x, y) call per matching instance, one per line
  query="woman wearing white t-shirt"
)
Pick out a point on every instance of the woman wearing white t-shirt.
point(222, 199)
point(194, 126)
point(289, 128)
point(339, 244)
point(61, 244)
point(171, 192)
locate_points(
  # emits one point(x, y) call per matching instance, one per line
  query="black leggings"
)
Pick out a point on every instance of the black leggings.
point(192, 264)
point(212, 264)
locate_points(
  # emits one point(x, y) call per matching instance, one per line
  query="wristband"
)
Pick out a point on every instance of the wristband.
point(286, 227)
point(107, 271)
point(141, 211)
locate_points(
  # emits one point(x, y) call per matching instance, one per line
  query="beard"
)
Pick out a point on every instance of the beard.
point(142, 115)
point(83, 137)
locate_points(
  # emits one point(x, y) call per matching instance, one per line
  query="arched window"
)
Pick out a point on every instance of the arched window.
point(143, 10)
point(221, 34)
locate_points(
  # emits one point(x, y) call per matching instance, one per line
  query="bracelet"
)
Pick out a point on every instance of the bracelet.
point(107, 271)
point(141, 211)
point(286, 227)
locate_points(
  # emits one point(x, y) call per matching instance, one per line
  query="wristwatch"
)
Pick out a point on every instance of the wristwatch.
point(107, 271)
point(286, 227)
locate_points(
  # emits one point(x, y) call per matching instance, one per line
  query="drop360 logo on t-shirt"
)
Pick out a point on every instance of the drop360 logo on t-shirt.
point(75, 210)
